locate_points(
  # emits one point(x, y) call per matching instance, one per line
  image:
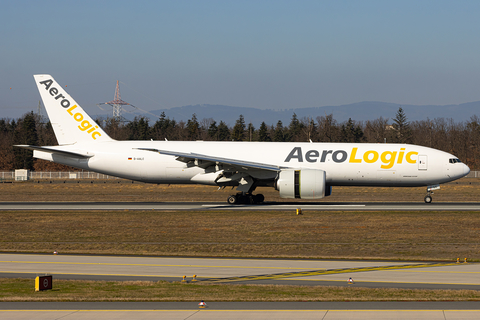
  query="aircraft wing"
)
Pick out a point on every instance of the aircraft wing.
point(56, 151)
point(205, 161)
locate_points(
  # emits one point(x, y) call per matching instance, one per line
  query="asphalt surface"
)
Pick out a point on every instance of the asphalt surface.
point(240, 310)
point(324, 206)
point(372, 274)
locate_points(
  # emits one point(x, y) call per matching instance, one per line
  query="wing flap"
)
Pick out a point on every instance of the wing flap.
point(213, 160)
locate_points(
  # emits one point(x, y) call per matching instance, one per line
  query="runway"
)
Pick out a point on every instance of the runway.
point(322, 206)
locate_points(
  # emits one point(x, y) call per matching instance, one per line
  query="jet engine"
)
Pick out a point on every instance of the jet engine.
point(302, 184)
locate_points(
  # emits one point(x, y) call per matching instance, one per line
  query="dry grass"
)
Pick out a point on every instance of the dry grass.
point(466, 189)
point(68, 290)
point(360, 235)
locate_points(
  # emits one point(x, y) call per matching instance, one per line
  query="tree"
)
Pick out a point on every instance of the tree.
point(376, 130)
point(138, 129)
point(115, 129)
point(7, 130)
point(279, 132)
point(295, 129)
point(223, 132)
point(263, 133)
point(403, 132)
point(193, 128)
point(213, 131)
point(328, 129)
point(163, 128)
point(309, 129)
point(351, 132)
point(238, 132)
point(25, 133)
point(251, 131)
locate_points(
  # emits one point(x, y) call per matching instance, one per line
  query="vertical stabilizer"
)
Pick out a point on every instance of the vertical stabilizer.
point(70, 122)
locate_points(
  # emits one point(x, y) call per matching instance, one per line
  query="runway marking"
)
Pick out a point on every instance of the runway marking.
point(370, 281)
point(325, 272)
point(303, 206)
point(432, 271)
point(105, 274)
point(148, 265)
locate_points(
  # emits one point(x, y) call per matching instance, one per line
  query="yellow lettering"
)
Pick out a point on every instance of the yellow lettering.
point(95, 134)
point(388, 161)
point(69, 110)
point(400, 155)
point(84, 125)
point(78, 117)
point(366, 156)
point(93, 129)
point(353, 155)
point(408, 157)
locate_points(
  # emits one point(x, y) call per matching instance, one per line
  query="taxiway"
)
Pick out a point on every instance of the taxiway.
point(396, 274)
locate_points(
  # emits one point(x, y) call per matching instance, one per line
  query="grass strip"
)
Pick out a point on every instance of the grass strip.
point(79, 290)
point(465, 189)
point(396, 235)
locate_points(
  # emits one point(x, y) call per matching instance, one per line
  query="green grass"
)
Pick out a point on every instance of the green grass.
point(72, 290)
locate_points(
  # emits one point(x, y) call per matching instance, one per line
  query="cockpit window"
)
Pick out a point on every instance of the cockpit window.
point(454, 160)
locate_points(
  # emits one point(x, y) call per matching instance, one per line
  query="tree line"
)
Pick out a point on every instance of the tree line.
point(459, 138)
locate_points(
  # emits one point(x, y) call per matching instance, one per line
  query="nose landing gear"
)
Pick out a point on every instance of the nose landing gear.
point(428, 197)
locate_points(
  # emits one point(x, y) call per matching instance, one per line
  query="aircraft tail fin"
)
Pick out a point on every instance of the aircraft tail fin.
point(70, 122)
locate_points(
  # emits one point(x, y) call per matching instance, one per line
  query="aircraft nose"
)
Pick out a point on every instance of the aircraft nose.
point(466, 170)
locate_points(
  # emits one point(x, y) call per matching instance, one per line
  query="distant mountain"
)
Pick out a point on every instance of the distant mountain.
point(361, 111)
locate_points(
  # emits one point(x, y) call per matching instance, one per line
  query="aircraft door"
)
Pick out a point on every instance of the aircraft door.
point(422, 162)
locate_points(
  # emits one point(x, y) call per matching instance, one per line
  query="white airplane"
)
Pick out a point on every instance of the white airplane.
point(296, 170)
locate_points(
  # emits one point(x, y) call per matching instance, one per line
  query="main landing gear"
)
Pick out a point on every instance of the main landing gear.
point(245, 198)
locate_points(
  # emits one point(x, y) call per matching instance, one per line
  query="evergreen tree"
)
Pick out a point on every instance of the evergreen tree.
point(138, 129)
point(213, 131)
point(351, 133)
point(294, 129)
point(403, 132)
point(163, 127)
point(263, 133)
point(251, 132)
point(25, 133)
point(223, 132)
point(193, 128)
point(238, 132)
point(279, 132)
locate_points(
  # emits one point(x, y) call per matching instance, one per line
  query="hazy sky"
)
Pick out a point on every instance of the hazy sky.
point(262, 54)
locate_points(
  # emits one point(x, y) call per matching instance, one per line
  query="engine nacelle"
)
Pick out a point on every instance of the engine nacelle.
point(302, 184)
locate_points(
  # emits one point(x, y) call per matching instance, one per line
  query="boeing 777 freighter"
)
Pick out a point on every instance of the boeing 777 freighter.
point(296, 170)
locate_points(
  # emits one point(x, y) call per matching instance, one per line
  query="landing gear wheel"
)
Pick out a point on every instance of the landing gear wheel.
point(428, 198)
point(259, 198)
point(232, 199)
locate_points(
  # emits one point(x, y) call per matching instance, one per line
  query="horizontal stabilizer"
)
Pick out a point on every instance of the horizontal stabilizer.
point(57, 151)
